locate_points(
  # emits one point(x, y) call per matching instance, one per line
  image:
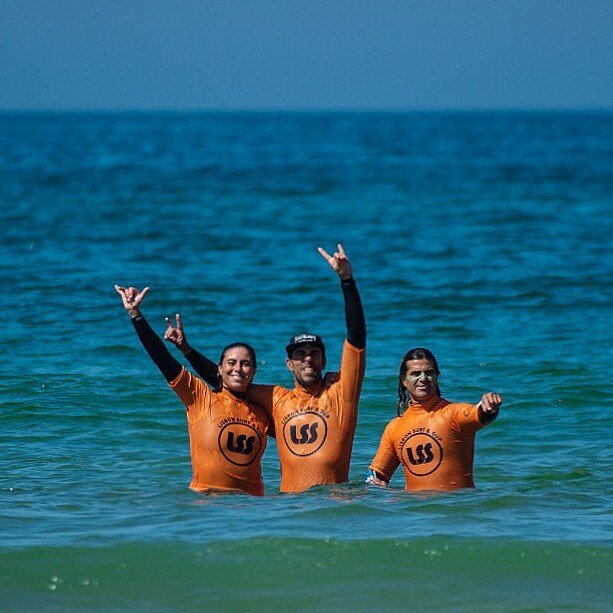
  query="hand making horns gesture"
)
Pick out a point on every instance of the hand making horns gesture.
point(131, 298)
point(176, 336)
point(339, 262)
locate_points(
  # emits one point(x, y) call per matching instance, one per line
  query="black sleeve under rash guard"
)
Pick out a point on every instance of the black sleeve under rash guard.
point(354, 314)
point(154, 346)
point(486, 418)
point(205, 368)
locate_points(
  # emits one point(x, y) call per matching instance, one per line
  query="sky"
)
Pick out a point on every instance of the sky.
point(305, 55)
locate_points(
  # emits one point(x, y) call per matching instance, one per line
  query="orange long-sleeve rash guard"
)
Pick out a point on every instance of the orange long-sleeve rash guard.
point(227, 437)
point(434, 442)
point(315, 428)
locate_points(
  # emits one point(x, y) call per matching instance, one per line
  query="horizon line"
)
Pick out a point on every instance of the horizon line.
point(313, 110)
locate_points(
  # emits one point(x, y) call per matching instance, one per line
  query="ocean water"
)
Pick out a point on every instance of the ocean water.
point(485, 237)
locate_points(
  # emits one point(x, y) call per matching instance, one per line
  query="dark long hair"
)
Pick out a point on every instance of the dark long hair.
point(419, 353)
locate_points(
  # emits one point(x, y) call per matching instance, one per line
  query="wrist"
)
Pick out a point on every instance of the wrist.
point(347, 279)
point(186, 349)
point(134, 313)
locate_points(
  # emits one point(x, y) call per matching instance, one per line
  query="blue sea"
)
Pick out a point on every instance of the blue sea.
point(482, 236)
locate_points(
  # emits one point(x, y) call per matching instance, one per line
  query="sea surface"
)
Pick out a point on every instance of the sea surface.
point(483, 236)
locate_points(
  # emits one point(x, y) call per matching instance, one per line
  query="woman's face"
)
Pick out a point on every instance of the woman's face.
point(420, 380)
point(236, 369)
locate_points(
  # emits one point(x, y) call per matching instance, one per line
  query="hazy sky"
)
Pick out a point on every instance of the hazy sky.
point(309, 54)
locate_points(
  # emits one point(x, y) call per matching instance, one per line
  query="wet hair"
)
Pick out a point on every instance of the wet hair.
point(418, 353)
point(249, 348)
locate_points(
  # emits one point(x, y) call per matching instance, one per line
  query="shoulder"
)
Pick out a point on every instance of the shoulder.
point(278, 391)
point(393, 426)
point(187, 381)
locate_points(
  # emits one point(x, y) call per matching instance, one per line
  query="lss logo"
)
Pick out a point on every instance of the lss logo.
point(305, 433)
point(422, 454)
point(239, 443)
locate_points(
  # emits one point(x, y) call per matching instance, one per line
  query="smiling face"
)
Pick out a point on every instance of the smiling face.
point(306, 364)
point(236, 369)
point(421, 380)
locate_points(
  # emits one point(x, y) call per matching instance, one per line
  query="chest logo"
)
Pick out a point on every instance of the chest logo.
point(422, 454)
point(305, 433)
point(239, 443)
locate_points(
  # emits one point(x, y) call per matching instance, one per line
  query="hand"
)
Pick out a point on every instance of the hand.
point(176, 336)
point(339, 262)
point(490, 404)
point(374, 478)
point(131, 298)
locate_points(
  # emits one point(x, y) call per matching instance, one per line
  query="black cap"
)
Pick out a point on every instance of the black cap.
point(303, 339)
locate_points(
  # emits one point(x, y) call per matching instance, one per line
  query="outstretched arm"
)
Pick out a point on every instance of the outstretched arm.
point(132, 298)
point(354, 314)
point(489, 406)
point(207, 369)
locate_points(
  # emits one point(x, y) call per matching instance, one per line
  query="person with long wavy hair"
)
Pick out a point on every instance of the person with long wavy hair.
point(432, 438)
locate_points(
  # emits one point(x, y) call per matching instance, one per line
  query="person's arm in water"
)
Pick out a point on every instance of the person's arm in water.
point(132, 298)
point(386, 460)
point(488, 407)
point(375, 478)
point(205, 368)
point(354, 314)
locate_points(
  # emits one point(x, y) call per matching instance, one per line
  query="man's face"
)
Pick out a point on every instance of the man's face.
point(421, 380)
point(306, 364)
point(236, 369)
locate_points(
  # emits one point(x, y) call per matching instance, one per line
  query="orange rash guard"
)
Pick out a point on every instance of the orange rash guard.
point(315, 428)
point(434, 442)
point(227, 437)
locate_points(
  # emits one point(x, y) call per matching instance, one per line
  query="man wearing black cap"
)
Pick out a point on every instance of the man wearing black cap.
point(306, 371)
point(315, 421)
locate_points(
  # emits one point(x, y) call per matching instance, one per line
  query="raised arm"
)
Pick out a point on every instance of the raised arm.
point(132, 298)
point(206, 369)
point(354, 314)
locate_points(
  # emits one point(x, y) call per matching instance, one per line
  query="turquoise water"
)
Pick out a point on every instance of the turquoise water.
point(484, 237)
